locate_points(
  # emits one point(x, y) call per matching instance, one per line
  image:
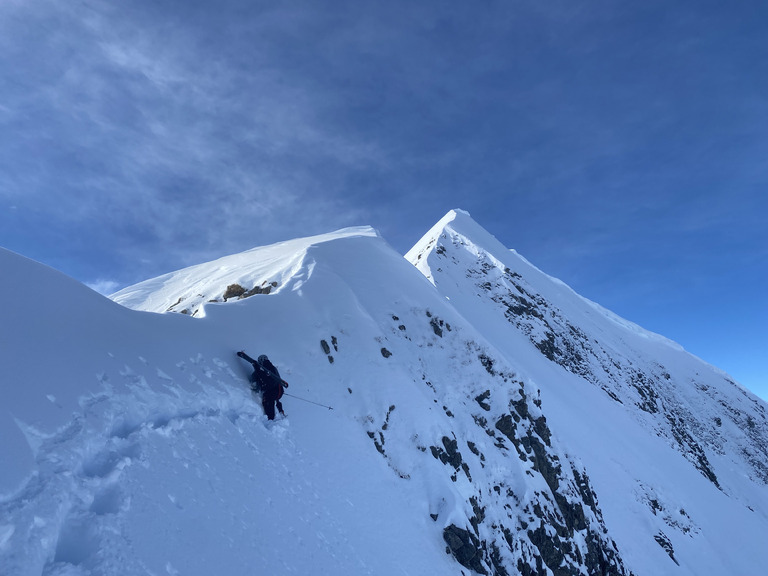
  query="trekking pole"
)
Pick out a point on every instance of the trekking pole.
point(305, 400)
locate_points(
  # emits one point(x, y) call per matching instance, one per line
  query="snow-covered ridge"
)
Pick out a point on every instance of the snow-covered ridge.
point(260, 270)
point(487, 412)
point(521, 308)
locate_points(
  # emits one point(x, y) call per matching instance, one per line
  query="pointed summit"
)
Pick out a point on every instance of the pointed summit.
point(456, 223)
point(471, 245)
point(459, 229)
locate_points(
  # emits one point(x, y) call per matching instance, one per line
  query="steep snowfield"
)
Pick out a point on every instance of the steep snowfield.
point(485, 410)
point(132, 444)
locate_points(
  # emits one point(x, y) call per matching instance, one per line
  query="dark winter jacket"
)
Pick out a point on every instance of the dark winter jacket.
point(266, 379)
point(265, 375)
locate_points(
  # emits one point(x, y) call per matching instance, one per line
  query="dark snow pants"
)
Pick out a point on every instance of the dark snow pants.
point(268, 399)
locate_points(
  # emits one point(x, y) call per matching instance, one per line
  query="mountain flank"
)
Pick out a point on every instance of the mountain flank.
point(486, 419)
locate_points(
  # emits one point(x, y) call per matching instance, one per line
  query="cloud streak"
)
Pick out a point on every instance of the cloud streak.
point(148, 133)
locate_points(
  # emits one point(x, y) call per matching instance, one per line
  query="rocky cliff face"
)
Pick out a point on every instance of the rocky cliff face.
point(526, 506)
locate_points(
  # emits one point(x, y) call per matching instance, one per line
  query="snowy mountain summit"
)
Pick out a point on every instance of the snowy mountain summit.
point(456, 411)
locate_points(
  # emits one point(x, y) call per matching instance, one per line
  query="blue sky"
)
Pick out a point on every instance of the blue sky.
point(621, 147)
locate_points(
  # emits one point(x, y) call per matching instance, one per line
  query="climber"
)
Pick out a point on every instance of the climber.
point(266, 379)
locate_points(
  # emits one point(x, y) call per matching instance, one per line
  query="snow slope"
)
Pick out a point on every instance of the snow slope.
point(137, 447)
point(480, 408)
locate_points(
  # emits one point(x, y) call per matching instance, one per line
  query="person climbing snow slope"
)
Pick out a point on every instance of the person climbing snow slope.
point(266, 379)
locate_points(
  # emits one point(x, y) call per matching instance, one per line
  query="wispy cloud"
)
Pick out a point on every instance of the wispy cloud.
point(144, 131)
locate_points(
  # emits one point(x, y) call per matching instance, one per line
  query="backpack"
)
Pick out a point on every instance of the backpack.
point(269, 378)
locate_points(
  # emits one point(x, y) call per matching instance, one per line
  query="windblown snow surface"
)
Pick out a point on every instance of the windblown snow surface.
point(486, 419)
